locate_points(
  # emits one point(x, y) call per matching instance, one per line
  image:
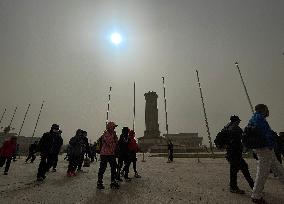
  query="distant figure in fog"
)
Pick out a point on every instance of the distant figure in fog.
point(170, 151)
point(17, 153)
point(32, 151)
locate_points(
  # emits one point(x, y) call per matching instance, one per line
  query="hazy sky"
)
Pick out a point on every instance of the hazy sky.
point(59, 51)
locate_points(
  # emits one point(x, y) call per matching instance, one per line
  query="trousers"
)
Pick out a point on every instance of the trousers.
point(266, 161)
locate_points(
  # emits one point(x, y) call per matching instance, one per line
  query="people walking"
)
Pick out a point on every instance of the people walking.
point(6, 153)
point(75, 150)
point(17, 153)
point(170, 151)
point(107, 154)
point(85, 148)
point(32, 151)
point(266, 156)
point(48, 146)
point(57, 148)
point(234, 156)
point(92, 152)
point(133, 149)
point(123, 154)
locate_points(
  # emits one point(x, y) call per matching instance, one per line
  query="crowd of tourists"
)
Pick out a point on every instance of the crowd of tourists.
point(120, 152)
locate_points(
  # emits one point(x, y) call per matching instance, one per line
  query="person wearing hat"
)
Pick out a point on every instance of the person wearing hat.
point(107, 153)
point(6, 153)
point(49, 147)
point(234, 156)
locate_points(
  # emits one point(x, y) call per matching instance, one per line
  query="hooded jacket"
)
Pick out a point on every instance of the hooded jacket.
point(234, 146)
point(260, 122)
point(8, 149)
point(109, 143)
point(132, 145)
point(50, 143)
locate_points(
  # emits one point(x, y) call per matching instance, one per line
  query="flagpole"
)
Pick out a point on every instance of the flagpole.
point(24, 119)
point(205, 115)
point(108, 105)
point(165, 101)
point(12, 119)
point(245, 88)
point(38, 118)
point(134, 106)
point(3, 115)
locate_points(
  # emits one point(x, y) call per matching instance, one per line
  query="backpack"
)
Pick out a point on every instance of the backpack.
point(252, 137)
point(222, 138)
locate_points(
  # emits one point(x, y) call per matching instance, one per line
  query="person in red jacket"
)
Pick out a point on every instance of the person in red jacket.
point(133, 149)
point(6, 153)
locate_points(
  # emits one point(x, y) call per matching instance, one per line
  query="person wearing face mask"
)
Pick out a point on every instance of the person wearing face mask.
point(48, 146)
point(265, 153)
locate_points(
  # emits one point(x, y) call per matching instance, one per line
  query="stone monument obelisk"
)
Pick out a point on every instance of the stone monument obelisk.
point(152, 133)
point(151, 116)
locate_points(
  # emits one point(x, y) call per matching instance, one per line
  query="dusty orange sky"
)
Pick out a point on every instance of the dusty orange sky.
point(59, 51)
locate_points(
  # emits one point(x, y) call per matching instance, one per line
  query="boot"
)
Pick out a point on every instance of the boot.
point(237, 191)
point(137, 175)
point(100, 186)
point(127, 178)
point(114, 185)
point(259, 201)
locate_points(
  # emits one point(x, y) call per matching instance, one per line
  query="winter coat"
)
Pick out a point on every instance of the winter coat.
point(123, 150)
point(260, 122)
point(50, 143)
point(33, 148)
point(78, 145)
point(234, 146)
point(109, 143)
point(132, 145)
point(8, 149)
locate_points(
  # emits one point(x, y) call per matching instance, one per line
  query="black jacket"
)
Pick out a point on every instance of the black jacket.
point(78, 145)
point(123, 151)
point(50, 143)
point(235, 146)
point(33, 148)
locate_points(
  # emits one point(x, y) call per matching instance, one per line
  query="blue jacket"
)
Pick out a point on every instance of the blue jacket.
point(259, 121)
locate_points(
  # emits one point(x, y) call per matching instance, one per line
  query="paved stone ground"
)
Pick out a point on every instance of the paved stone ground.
point(183, 181)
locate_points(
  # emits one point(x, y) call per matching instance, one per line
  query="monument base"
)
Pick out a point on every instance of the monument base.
point(145, 143)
